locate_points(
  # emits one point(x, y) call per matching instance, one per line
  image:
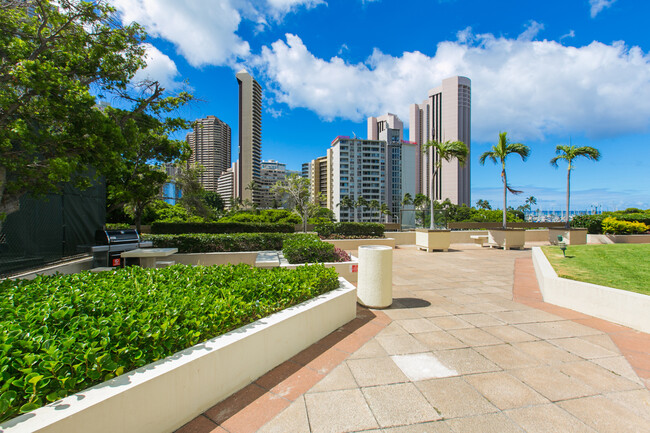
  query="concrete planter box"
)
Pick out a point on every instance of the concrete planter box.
point(618, 306)
point(347, 270)
point(164, 395)
point(618, 239)
point(430, 240)
point(353, 244)
point(507, 238)
point(571, 236)
point(208, 259)
point(72, 267)
point(402, 238)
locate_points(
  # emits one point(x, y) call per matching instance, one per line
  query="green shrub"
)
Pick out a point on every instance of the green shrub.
point(117, 226)
point(219, 227)
point(615, 226)
point(264, 216)
point(593, 223)
point(209, 242)
point(308, 249)
point(64, 333)
point(350, 230)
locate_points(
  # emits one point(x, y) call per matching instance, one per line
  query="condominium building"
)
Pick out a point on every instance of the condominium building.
point(228, 183)
point(272, 172)
point(320, 179)
point(210, 144)
point(250, 137)
point(444, 115)
point(305, 170)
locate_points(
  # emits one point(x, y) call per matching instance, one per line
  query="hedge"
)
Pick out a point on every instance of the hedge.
point(308, 249)
point(64, 333)
point(594, 223)
point(350, 230)
point(209, 243)
point(616, 226)
point(228, 227)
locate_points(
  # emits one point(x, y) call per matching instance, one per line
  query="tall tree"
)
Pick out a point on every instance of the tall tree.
point(361, 203)
point(385, 211)
point(483, 204)
point(51, 53)
point(346, 203)
point(443, 151)
point(498, 154)
point(568, 153)
point(407, 200)
point(374, 205)
point(296, 191)
point(421, 202)
point(193, 197)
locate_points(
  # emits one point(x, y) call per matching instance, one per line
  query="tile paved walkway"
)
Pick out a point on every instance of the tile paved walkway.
point(458, 351)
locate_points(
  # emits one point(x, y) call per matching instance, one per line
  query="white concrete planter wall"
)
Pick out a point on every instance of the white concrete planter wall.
point(430, 240)
point(72, 267)
point(163, 396)
point(507, 239)
point(347, 270)
point(208, 259)
point(571, 236)
point(618, 306)
point(353, 244)
point(402, 238)
point(618, 239)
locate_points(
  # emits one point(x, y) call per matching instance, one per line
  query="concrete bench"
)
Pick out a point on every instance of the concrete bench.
point(479, 239)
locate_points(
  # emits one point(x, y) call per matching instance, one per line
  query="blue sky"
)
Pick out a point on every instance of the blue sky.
point(545, 72)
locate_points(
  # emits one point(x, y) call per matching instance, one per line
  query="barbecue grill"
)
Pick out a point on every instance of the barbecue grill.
point(110, 244)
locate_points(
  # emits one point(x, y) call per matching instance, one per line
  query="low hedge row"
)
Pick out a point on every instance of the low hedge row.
point(212, 243)
point(350, 230)
point(227, 227)
point(616, 226)
point(310, 249)
point(594, 223)
point(64, 333)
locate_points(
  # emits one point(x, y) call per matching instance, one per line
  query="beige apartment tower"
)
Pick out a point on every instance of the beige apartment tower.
point(210, 144)
point(444, 115)
point(250, 137)
point(320, 179)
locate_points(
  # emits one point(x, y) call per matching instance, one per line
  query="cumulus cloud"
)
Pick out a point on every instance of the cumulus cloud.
point(598, 5)
point(159, 68)
point(529, 88)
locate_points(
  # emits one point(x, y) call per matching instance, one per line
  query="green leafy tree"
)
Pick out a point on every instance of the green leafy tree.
point(193, 193)
point(443, 151)
point(483, 204)
point(51, 54)
point(568, 154)
point(213, 201)
point(498, 154)
point(374, 205)
point(295, 189)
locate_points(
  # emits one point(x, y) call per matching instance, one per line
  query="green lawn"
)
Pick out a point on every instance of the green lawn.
point(622, 266)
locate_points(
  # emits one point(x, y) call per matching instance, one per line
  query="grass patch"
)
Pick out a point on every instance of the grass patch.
point(622, 266)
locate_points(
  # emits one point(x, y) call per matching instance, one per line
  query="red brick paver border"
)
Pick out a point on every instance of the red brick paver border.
point(634, 345)
point(250, 408)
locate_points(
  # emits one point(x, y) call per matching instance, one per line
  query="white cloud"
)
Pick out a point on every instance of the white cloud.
point(529, 88)
point(159, 68)
point(598, 5)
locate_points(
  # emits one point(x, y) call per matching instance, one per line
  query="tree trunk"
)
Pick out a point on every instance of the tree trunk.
point(432, 218)
point(505, 192)
point(8, 204)
point(568, 194)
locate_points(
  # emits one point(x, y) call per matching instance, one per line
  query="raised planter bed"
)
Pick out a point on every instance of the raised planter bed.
point(618, 239)
point(208, 259)
point(430, 240)
point(618, 306)
point(348, 270)
point(506, 238)
point(575, 236)
point(166, 394)
point(353, 244)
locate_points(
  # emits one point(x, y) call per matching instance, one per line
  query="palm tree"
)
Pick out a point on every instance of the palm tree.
point(362, 202)
point(374, 205)
point(385, 211)
point(483, 204)
point(407, 200)
point(499, 153)
point(346, 203)
point(421, 202)
point(569, 153)
point(444, 151)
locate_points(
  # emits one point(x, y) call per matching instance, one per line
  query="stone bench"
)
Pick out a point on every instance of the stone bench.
point(479, 239)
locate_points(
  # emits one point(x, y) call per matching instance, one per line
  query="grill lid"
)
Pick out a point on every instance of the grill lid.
point(111, 237)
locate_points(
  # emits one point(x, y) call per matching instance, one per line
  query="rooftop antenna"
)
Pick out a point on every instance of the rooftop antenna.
point(354, 135)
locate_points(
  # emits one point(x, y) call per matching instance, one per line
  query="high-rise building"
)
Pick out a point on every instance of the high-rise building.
point(444, 115)
point(210, 144)
point(227, 184)
point(320, 179)
point(305, 170)
point(272, 172)
point(250, 137)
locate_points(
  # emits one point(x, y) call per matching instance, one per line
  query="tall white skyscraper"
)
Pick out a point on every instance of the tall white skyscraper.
point(210, 144)
point(250, 137)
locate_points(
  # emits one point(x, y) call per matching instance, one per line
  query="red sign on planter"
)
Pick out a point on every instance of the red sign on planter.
point(355, 268)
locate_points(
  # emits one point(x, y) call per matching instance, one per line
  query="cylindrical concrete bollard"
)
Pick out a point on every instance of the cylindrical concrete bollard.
point(375, 280)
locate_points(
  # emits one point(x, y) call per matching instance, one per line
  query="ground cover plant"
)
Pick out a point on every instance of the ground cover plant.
point(310, 249)
point(64, 333)
point(350, 230)
point(622, 266)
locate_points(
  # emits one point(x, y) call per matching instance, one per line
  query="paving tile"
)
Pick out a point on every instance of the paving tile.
point(339, 411)
point(561, 329)
point(602, 340)
point(504, 390)
point(375, 371)
point(524, 316)
point(402, 313)
point(422, 366)
point(618, 365)
point(439, 340)
point(399, 404)
point(200, 424)
point(602, 325)
point(372, 349)
point(480, 319)
point(605, 416)
point(235, 403)
point(392, 329)
point(256, 414)
point(458, 308)
point(291, 420)
point(547, 418)
point(583, 348)
point(509, 333)
point(553, 384)
point(429, 427)
point(413, 326)
point(433, 311)
point(546, 352)
point(450, 322)
point(339, 378)
point(452, 397)
point(475, 337)
point(597, 377)
point(488, 423)
point(507, 357)
point(321, 361)
point(638, 401)
point(465, 361)
point(486, 307)
point(401, 344)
